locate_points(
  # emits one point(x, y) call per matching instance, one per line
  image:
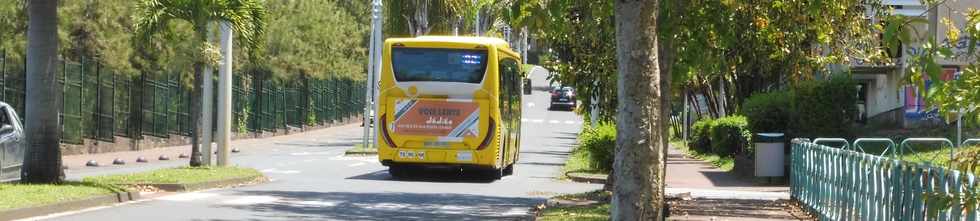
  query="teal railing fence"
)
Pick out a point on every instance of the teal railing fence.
point(844, 184)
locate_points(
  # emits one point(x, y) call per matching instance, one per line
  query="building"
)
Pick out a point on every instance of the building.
point(884, 97)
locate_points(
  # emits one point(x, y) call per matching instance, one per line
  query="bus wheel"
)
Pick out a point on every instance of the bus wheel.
point(493, 174)
point(398, 171)
point(509, 170)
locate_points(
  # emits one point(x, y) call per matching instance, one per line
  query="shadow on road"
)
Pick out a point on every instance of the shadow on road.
point(429, 175)
point(307, 205)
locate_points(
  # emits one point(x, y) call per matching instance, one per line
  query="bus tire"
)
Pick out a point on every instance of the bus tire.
point(494, 174)
point(398, 171)
point(509, 170)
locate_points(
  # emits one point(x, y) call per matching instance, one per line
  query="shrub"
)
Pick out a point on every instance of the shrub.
point(700, 136)
point(729, 135)
point(768, 112)
point(824, 108)
point(599, 143)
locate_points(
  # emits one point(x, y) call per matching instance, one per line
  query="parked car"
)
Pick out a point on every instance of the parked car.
point(563, 97)
point(12, 145)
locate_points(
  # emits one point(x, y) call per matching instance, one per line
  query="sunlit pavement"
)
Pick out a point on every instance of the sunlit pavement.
point(312, 180)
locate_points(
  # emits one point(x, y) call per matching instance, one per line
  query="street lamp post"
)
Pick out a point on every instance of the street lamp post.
point(374, 69)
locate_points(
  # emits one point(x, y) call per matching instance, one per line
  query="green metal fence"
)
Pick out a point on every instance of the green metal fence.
point(100, 104)
point(843, 184)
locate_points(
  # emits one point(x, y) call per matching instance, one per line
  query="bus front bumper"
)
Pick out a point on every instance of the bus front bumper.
point(437, 157)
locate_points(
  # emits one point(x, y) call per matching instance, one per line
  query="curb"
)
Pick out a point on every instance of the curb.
point(582, 178)
point(170, 187)
point(360, 153)
point(41, 210)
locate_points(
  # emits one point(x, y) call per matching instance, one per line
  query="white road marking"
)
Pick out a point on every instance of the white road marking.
point(537, 121)
point(569, 122)
point(274, 170)
point(315, 203)
point(69, 213)
point(387, 206)
point(357, 164)
point(250, 200)
point(530, 104)
point(523, 119)
point(185, 197)
point(554, 122)
point(516, 211)
point(311, 153)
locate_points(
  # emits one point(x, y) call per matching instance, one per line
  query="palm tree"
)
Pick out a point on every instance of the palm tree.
point(638, 190)
point(42, 163)
point(246, 17)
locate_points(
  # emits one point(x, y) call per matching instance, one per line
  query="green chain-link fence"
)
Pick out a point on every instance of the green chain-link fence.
point(100, 104)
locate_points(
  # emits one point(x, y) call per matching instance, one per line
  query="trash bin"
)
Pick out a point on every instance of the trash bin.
point(769, 154)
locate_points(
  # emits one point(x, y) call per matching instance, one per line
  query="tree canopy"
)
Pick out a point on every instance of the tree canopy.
point(103, 31)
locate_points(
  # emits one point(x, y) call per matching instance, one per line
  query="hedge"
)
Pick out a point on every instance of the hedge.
point(724, 136)
point(824, 108)
point(700, 135)
point(768, 112)
point(809, 109)
point(730, 135)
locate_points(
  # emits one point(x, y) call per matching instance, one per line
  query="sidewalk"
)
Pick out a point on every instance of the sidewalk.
point(75, 164)
point(699, 191)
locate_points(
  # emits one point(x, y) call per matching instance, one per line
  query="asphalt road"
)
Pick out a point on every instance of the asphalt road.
point(312, 180)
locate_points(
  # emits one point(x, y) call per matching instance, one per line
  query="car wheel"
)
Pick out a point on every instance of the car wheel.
point(509, 170)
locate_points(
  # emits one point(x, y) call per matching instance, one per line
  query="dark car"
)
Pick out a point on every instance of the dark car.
point(563, 97)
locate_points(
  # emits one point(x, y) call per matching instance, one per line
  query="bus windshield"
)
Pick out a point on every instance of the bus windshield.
point(443, 65)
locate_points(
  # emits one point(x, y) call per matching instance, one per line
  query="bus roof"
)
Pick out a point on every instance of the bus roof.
point(497, 42)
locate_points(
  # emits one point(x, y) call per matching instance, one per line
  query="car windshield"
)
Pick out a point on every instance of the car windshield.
point(443, 65)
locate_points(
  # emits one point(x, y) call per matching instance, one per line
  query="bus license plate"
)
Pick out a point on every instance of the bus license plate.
point(411, 155)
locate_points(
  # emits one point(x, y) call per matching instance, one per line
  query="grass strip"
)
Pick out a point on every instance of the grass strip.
point(579, 162)
point(359, 149)
point(599, 212)
point(725, 163)
point(596, 211)
point(16, 195)
point(180, 175)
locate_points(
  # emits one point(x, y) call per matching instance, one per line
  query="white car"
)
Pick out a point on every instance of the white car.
point(11, 142)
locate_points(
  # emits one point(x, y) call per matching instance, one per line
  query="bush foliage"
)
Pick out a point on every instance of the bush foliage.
point(768, 112)
point(824, 108)
point(809, 109)
point(700, 135)
point(724, 136)
point(599, 144)
point(730, 135)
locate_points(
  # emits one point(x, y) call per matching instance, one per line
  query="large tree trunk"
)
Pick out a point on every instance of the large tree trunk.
point(42, 163)
point(640, 143)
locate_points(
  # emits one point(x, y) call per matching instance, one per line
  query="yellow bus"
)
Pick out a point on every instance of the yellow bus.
point(449, 102)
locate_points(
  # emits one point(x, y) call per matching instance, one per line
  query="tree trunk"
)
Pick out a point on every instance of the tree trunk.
point(42, 163)
point(195, 112)
point(640, 143)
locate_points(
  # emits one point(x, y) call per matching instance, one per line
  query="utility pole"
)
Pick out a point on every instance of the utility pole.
point(207, 99)
point(374, 69)
point(224, 95)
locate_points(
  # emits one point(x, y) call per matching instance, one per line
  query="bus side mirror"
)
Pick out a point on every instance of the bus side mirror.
point(527, 86)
